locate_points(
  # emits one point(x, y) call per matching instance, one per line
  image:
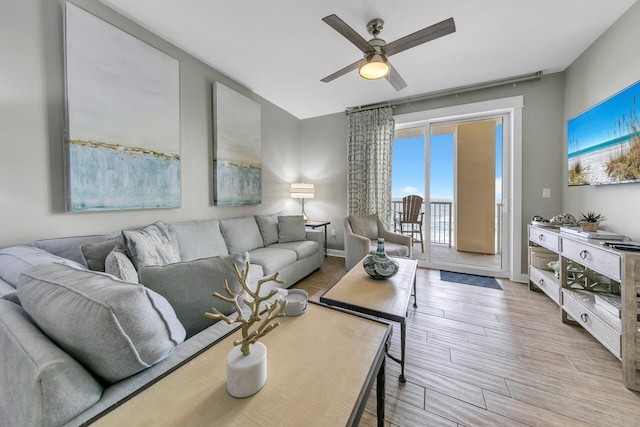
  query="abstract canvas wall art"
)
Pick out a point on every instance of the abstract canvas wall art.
point(237, 148)
point(123, 119)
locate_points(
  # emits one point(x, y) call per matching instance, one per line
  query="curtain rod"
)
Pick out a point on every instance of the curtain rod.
point(462, 89)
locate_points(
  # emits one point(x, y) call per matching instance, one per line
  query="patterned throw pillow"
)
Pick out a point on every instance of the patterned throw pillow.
point(118, 264)
point(154, 244)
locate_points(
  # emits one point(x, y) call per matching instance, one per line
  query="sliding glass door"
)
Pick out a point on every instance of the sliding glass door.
point(456, 166)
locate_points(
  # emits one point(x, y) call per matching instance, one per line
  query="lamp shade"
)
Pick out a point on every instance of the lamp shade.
point(301, 190)
point(374, 67)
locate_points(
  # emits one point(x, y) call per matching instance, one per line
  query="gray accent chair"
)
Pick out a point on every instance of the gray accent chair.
point(361, 233)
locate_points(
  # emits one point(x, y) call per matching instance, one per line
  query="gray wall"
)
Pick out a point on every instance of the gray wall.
point(323, 140)
point(611, 64)
point(31, 133)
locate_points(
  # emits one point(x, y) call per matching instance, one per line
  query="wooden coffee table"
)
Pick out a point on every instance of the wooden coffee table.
point(387, 299)
point(321, 369)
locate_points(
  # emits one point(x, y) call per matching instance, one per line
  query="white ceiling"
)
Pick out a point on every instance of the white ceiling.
point(280, 49)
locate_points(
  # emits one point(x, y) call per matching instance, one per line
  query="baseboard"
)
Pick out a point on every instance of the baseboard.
point(336, 253)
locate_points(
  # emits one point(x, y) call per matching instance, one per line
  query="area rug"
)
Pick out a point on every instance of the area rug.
point(469, 279)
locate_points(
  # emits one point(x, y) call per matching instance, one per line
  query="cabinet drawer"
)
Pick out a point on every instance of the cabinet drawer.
point(603, 262)
point(546, 282)
point(545, 238)
point(591, 322)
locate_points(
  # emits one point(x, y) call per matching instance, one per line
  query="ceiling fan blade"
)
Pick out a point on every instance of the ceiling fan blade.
point(422, 36)
point(349, 33)
point(342, 72)
point(394, 78)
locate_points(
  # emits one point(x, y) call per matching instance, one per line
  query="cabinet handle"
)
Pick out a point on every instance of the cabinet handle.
point(583, 254)
point(584, 317)
point(541, 237)
point(541, 282)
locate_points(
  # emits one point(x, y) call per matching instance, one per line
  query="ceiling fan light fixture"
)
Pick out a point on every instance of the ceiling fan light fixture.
point(374, 67)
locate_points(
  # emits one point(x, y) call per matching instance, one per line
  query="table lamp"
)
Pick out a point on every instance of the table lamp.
point(301, 190)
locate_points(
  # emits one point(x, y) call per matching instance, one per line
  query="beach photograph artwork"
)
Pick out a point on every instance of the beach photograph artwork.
point(123, 113)
point(604, 141)
point(237, 148)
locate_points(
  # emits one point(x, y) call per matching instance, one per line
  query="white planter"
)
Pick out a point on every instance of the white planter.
point(246, 375)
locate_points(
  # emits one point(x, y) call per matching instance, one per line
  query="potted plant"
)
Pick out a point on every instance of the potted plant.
point(589, 221)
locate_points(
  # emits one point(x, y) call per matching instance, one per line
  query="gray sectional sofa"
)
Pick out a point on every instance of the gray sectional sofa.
point(78, 333)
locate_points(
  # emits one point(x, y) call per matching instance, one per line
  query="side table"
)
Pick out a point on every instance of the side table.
point(316, 224)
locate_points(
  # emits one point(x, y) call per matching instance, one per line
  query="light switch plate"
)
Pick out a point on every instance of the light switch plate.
point(546, 193)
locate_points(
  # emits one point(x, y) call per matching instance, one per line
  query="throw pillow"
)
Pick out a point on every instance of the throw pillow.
point(114, 328)
point(96, 253)
point(188, 287)
point(268, 225)
point(118, 264)
point(291, 229)
point(154, 244)
point(365, 225)
point(241, 234)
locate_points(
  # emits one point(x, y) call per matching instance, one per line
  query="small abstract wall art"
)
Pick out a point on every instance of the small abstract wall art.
point(604, 141)
point(237, 148)
point(123, 119)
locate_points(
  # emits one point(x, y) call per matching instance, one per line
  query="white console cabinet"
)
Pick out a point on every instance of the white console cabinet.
point(617, 331)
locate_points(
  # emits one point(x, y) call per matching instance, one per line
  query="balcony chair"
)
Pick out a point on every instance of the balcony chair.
point(361, 233)
point(409, 220)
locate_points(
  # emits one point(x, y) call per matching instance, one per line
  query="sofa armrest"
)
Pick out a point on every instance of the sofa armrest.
point(316, 236)
point(39, 383)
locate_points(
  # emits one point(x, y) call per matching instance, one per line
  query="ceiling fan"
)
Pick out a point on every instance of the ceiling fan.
point(376, 51)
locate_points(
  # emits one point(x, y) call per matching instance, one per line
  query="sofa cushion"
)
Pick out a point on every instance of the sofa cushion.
point(154, 244)
point(96, 252)
point(268, 225)
point(16, 259)
point(41, 384)
point(70, 247)
point(199, 239)
point(188, 287)
point(303, 248)
point(8, 292)
point(241, 234)
point(118, 264)
point(273, 259)
point(365, 225)
point(113, 328)
point(291, 228)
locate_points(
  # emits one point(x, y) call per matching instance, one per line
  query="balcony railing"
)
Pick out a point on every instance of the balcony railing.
point(440, 218)
point(442, 222)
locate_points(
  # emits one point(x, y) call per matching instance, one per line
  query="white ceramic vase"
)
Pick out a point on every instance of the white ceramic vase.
point(246, 375)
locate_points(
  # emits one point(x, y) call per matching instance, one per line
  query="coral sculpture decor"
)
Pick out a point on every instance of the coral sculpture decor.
point(265, 324)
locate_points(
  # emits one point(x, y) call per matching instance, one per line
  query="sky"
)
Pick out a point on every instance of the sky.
point(409, 171)
point(598, 124)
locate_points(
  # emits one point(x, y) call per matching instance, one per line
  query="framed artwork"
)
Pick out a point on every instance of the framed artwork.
point(604, 141)
point(123, 119)
point(237, 148)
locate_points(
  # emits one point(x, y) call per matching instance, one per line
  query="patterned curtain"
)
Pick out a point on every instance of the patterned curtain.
point(369, 158)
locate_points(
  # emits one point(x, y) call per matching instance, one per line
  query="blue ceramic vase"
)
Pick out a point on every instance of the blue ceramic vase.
point(380, 265)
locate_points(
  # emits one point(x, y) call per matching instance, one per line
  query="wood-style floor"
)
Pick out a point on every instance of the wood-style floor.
point(486, 357)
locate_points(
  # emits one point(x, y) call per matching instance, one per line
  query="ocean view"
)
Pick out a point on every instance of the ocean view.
point(612, 143)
